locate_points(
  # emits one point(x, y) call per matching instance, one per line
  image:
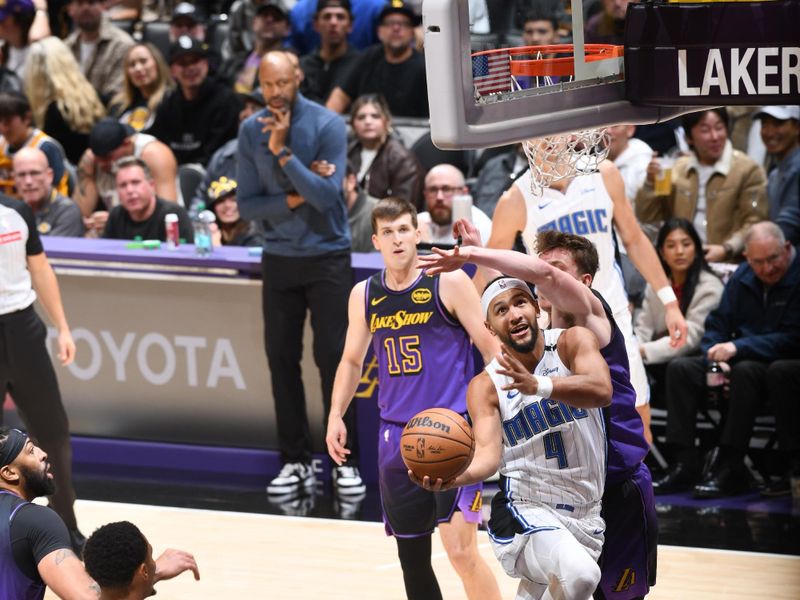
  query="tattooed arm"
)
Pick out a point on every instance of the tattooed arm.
point(64, 574)
point(85, 194)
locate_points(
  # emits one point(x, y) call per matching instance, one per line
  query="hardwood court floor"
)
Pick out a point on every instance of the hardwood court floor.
point(255, 556)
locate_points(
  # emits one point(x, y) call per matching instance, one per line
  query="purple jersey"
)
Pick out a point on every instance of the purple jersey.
point(424, 355)
point(627, 446)
point(13, 582)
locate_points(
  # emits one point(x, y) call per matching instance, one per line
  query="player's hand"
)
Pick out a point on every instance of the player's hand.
point(676, 325)
point(278, 127)
point(521, 379)
point(336, 438)
point(427, 483)
point(322, 168)
point(294, 200)
point(174, 562)
point(66, 347)
point(443, 261)
point(470, 236)
point(723, 352)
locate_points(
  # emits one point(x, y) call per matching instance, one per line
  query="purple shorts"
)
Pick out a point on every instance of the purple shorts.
point(409, 510)
point(628, 561)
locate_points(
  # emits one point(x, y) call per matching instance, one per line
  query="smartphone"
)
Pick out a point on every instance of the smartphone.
point(462, 207)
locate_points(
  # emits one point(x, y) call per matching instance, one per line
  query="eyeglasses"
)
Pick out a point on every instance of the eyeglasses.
point(770, 260)
point(445, 189)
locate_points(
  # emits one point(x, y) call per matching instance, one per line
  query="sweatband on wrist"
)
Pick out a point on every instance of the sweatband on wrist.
point(14, 444)
point(544, 386)
point(666, 294)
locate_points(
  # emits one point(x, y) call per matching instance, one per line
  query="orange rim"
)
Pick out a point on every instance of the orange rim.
point(553, 66)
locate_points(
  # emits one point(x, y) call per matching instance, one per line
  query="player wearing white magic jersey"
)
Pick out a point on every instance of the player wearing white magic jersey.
point(536, 416)
point(552, 452)
point(590, 206)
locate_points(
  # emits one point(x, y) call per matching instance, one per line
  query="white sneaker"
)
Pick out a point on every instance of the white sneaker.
point(292, 477)
point(347, 480)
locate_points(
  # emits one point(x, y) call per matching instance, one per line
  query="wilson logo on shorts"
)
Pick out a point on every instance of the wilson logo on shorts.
point(627, 579)
point(421, 296)
point(477, 502)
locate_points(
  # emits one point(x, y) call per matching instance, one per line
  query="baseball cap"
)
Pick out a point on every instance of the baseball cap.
point(11, 7)
point(219, 189)
point(323, 4)
point(398, 7)
point(779, 112)
point(275, 7)
point(188, 10)
point(107, 135)
point(255, 96)
point(185, 45)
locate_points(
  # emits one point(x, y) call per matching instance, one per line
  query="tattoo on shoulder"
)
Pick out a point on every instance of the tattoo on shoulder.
point(95, 588)
point(63, 554)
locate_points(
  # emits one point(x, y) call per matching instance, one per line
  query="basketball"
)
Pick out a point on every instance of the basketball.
point(437, 442)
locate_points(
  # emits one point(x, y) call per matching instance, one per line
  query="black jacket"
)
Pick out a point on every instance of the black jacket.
point(194, 130)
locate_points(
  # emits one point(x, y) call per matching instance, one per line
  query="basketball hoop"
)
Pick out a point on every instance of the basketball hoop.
point(555, 157)
point(558, 157)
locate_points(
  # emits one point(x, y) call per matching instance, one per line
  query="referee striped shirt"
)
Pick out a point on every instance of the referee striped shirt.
point(18, 240)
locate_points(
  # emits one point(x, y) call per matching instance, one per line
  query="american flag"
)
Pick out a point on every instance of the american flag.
point(491, 73)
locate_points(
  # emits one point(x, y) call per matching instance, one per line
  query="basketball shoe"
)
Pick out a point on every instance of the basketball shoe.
point(293, 477)
point(347, 480)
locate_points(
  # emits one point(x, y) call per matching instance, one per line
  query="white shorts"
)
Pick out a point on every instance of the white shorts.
point(560, 555)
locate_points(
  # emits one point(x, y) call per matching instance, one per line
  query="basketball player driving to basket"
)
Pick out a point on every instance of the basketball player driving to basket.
point(536, 415)
point(593, 205)
point(420, 328)
point(563, 274)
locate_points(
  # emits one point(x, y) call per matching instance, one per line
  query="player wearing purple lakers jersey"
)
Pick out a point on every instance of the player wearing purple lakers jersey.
point(420, 328)
point(563, 276)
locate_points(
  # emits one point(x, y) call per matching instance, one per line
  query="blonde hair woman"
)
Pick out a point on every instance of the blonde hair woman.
point(147, 80)
point(63, 102)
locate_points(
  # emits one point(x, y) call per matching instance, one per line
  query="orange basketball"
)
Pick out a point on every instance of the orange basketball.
point(437, 442)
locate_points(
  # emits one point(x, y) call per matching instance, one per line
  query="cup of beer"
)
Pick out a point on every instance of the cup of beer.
point(663, 182)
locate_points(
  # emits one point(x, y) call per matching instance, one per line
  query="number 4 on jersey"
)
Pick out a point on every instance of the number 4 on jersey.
point(554, 448)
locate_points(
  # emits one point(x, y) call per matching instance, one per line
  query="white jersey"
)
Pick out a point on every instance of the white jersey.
point(552, 452)
point(586, 209)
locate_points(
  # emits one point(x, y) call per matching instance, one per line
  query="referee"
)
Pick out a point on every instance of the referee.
point(25, 368)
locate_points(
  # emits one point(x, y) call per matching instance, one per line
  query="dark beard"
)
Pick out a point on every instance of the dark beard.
point(525, 347)
point(37, 483)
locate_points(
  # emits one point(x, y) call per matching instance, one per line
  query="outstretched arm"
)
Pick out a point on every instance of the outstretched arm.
point(565, 292)
point(348, 373)
point(641, 252)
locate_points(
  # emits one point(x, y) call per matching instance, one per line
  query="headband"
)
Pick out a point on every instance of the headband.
point(13, 446)
point(499, 286)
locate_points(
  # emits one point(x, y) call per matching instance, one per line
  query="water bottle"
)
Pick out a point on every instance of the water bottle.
point(715, 383)
point(202, 230)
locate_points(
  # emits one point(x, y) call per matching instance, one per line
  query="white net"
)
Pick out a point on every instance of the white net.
point(558, 157)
